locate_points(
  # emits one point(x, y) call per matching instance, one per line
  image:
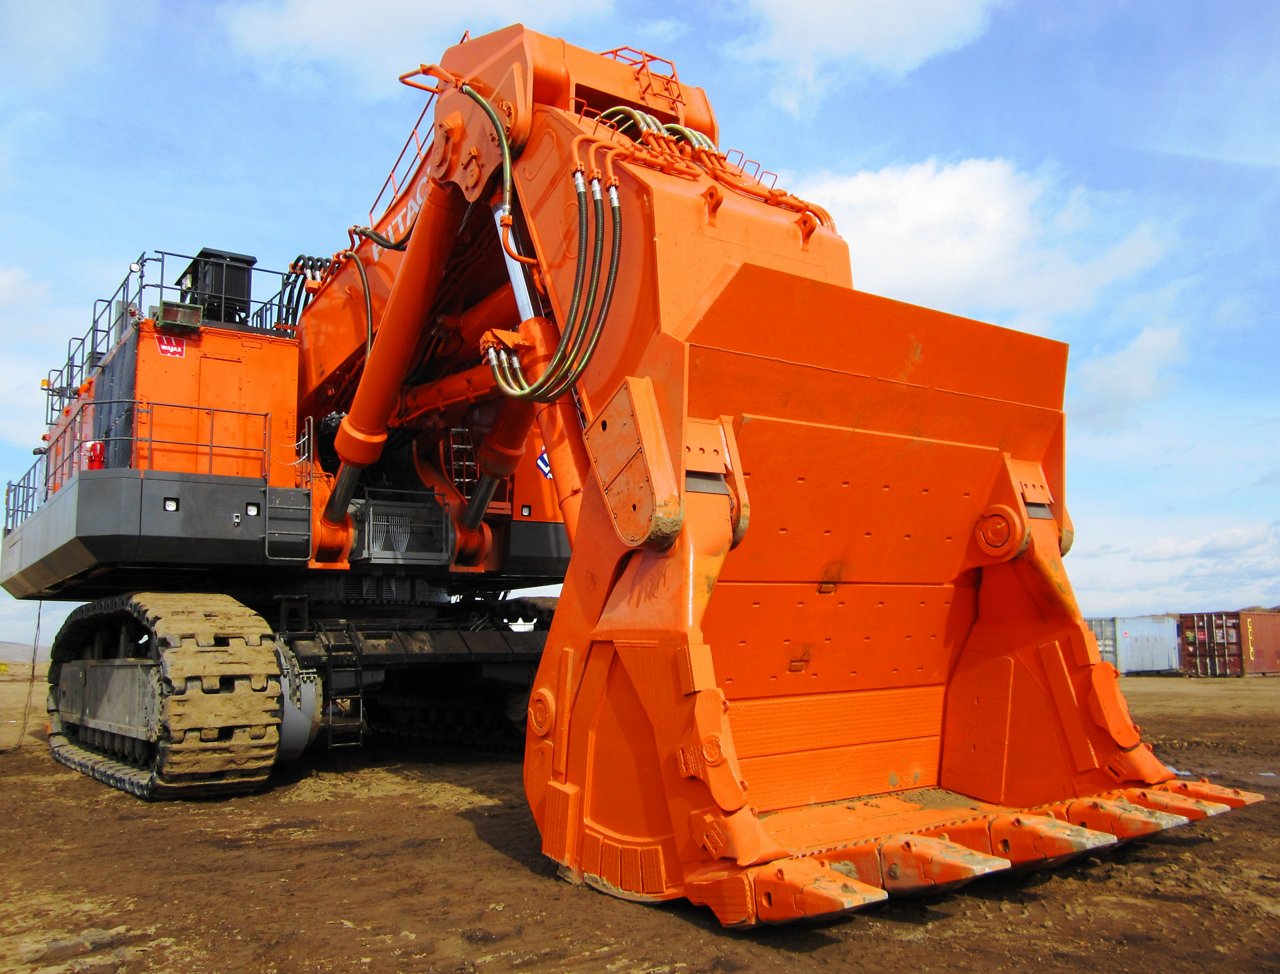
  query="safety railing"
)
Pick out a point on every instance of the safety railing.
point(22, 497)
point(406, 164)
point(140, 435)
point(656, 75)
point(222, 287)
point(414, 150)
point(304, 448)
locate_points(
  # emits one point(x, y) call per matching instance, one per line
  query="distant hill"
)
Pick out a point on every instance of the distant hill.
point(21, 652)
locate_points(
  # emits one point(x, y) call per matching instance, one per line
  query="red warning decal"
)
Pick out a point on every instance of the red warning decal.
point(171, 346)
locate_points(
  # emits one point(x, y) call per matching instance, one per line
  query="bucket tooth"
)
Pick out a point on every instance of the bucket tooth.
point(804, 889)
point(1024, 838)
point(1122, 819)
point(1031, 839)
point(1191, 808)
point(920, 863)
point(784, 891)
point(1209, 792)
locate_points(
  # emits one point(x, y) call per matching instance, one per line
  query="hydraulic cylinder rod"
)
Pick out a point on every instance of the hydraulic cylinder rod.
point(519, 283)
point(363, 432)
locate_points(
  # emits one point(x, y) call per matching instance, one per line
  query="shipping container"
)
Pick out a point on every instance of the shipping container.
point(1230, 643)
point(1260, 642)
point(1210, 644)
point(1138, 644)
point(1147, 644)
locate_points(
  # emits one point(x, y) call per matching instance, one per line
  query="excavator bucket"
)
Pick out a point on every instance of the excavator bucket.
point(859, 668)
point(816, 644)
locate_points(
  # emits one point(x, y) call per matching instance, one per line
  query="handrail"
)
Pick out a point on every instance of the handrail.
point(128, 304)
point(406, 163)
point(88, 440)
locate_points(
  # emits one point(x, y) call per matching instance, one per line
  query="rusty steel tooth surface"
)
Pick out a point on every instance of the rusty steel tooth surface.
point(1123, 819)
point(1209, 792)
point(1024, 838)
point(1189, 807)
point(219, 698)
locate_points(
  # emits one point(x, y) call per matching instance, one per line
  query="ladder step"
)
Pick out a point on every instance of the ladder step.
point(343, 656)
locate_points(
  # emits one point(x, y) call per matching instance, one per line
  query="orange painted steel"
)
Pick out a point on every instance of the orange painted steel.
point(816, 643)
point(364, 428)
point(220, 422)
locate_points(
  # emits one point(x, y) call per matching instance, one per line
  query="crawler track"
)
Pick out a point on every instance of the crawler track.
point(217, 701)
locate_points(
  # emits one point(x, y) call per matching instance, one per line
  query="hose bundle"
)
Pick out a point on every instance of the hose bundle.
point(581, 332)
point(294, 296)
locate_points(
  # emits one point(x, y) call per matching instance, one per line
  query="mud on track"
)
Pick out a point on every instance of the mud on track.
point(402, 859)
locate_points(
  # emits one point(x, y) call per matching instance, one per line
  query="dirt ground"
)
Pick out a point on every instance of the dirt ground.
point(400, 859)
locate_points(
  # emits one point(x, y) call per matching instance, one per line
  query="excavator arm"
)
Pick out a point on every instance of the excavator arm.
point(816, 644)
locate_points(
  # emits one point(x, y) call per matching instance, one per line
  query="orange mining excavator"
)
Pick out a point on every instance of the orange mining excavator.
point(815, 644)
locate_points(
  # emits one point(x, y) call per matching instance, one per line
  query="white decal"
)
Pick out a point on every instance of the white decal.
point(171, 346)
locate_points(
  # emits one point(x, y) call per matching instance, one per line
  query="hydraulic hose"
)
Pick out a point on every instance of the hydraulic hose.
point(386, 243)
point(642, 120)
point(286, 310)
point(505, 146)
point(597, 330)
point(572, 340)
point(501, 133)
point(368, 299)
point(692, 136)
point(597, 259)
point(579, 274)
point(302, 269)
point(582, 332)
point(503, 369)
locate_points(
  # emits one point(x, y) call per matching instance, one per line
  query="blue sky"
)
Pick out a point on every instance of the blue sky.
point(1107, 174)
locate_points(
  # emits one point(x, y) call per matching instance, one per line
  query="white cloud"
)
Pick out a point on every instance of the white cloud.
point(810, 43)
point(983, 238)
point(1192, 454)
point(1175, 511)
point(1107, 390)
point(370, 43)
point(1194, 563)
point(1237, 541)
